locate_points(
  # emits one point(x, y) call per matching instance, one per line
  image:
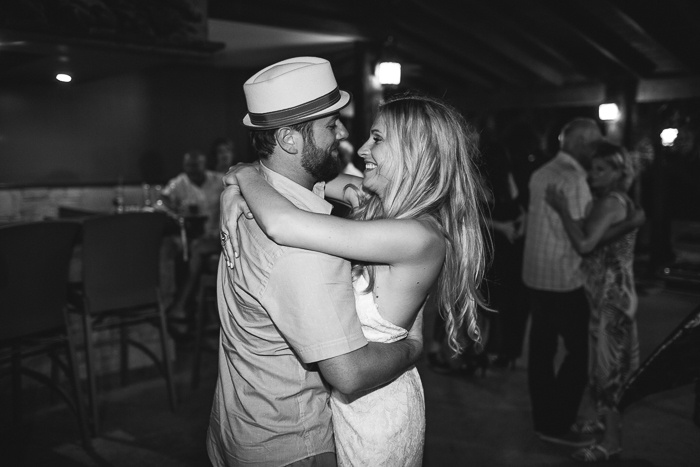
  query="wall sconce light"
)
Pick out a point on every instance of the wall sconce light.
point(388, 72)
point(64, 78)
point(388, 68)
point(668, 136)
point(608, 112)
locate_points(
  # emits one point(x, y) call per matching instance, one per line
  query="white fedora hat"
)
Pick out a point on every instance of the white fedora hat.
point(292, 91)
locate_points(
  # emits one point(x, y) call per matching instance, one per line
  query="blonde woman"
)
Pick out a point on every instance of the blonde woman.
point(416, 222)
point(610, 287)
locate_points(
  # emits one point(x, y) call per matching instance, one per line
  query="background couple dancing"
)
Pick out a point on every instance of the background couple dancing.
point(291, 317)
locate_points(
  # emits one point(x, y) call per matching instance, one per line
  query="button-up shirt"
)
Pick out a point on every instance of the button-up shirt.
point(282, 309)
point(550, 261)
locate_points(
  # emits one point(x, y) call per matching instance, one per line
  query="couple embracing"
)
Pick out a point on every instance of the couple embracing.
point(321, 316)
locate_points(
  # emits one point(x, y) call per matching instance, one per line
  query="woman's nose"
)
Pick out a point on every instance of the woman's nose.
point(363, 151)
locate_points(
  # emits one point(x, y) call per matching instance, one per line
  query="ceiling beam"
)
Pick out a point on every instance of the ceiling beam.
point(422, 54)
point(673, 24)
point(456, 52)
point(633, 34)
point(666, 89)
point(285, 14)
point(609, 45)
point(489, 41)
point(571, 96)
point(552, 28)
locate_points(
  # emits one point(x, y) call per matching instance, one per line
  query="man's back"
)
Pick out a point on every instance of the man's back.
point(550, 261)
point(281, 310)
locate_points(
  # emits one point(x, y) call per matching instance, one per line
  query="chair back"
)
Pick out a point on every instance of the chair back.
point(121, 260)
point(34, 261)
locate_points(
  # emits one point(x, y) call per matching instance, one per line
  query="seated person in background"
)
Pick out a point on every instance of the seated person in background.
point(195, 192)
point(221, 155)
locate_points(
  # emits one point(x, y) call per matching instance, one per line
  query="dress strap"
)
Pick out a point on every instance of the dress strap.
point(624, 199)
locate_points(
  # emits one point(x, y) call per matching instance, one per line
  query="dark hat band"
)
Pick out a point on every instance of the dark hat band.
point(280, 117)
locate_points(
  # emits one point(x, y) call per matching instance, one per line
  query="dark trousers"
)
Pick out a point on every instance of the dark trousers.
point(508, 295)
point(556, 393)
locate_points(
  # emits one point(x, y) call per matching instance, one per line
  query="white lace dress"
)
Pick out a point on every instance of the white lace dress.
point(385, 426)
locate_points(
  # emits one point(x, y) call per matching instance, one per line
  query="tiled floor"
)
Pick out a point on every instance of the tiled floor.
point(471, 421)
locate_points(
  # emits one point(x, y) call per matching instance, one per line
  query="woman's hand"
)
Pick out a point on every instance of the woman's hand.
point(556, 199)
point(232, 206)
point(231, 177)
point(637, 217)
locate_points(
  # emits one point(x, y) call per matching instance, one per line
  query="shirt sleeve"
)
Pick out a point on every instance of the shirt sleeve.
point(579, 197)
point(309, 298)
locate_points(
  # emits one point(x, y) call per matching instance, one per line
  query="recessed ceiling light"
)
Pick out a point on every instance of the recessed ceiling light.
point(64, 78)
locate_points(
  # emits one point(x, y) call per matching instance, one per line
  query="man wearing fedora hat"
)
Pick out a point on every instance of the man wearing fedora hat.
point(288, 320)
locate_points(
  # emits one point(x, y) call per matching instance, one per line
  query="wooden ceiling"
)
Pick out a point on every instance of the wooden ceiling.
point(509, 53)
point(491, 54)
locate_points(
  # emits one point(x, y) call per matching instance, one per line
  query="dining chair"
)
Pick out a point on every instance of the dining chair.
point(34, 261)
point(120, 289)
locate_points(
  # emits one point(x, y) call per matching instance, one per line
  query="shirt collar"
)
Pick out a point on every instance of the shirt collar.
point(309, 200)
point(571, 160)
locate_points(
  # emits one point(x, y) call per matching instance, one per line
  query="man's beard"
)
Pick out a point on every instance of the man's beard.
point(319, 163)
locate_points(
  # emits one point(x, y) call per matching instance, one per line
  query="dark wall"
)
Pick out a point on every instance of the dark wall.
point(135, 126)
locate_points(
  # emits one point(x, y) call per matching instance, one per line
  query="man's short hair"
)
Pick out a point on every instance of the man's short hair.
point(576, 125)
point(264, 141)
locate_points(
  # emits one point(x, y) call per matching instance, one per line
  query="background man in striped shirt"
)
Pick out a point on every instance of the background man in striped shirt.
point(551, 270)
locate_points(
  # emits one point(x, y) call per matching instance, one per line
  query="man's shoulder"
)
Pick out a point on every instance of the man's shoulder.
point(277, 254)
point(557, 167)
point(179, 182)
point(549, 169)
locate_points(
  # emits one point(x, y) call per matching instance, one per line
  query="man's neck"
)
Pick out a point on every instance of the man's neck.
point(579, 159)
point(295, 173)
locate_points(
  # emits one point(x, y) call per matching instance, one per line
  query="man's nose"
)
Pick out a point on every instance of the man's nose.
point(340, 131)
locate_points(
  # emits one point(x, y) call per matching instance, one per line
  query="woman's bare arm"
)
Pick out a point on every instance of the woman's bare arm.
point(338, 189)
point(385, 241)
point(602, 216)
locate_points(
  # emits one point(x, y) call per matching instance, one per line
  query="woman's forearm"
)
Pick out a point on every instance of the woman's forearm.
point(336, 188)
point(575, 233)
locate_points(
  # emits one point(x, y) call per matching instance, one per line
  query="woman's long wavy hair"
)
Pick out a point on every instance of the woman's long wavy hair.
point(434, 174)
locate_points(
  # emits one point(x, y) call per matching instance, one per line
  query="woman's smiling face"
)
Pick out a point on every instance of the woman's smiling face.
point(376, 153)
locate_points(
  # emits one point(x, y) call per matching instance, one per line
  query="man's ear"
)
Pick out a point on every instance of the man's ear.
point(287, 139)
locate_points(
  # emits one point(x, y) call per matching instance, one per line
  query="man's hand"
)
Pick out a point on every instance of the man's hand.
point(232, 206)
point(556, 199)
point(231, 176)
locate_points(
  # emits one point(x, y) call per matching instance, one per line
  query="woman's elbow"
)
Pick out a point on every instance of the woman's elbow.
point(345, 383)
point(276, 228)
point(274, 232)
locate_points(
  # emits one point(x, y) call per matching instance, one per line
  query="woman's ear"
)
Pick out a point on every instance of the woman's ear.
point(287, 139)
